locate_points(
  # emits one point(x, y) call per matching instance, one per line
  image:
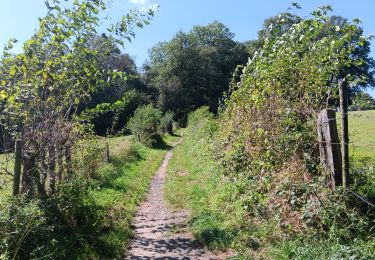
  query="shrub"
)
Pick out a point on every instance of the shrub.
point(22, 223)
point(107, 117)
point(145, 124)
point(166, 123)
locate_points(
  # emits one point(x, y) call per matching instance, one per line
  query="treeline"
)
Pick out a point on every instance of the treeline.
point(191, 70)
point(196, 68)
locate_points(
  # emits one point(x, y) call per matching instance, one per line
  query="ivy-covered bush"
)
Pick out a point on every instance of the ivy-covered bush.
point(145, 124)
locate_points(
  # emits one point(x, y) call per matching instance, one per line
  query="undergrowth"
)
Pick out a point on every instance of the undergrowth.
point(89, 216)
point(294, 217)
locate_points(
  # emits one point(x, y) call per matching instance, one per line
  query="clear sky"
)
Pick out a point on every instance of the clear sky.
point(19, 18)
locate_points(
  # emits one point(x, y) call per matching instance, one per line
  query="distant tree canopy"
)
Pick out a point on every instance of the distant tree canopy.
point(194, 69)
point(362, 101)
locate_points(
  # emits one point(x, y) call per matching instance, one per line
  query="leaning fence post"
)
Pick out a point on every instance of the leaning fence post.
point(343, 91)
point(329, 147)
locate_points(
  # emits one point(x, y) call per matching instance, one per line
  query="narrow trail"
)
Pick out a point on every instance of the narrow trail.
point(159, 231)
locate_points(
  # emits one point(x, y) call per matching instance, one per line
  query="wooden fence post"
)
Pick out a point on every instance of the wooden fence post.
point(343, 91)
point(329, 147)
point(17, 167)
point(107, 159)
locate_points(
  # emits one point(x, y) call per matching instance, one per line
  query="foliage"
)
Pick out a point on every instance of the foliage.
point(111, 118)
point(145, 124)
point(166, 123)
point(273, 27)
point(362, 101)
point(270, 114)
point(116, 61)
point(267, 139)
point(42, 87)
point(194, 68)
point(88, 216)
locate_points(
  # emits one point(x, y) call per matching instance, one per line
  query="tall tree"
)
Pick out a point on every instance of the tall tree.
point(194, 68)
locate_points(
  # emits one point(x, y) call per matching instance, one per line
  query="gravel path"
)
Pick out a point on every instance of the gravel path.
point(159, 231)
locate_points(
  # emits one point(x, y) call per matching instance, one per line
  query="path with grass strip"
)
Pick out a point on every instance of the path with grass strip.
point(160, 233)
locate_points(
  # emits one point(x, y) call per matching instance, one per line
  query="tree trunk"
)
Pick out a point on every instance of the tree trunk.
point(52, 168)
point(28, 174)
point(68, 161)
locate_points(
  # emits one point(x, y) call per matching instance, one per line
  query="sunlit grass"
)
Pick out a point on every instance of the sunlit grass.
point(362, 135)
point(6, 167)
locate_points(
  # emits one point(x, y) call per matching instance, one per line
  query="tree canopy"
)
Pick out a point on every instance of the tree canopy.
point(194, 68)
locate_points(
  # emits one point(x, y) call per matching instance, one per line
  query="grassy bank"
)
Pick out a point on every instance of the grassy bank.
point(90, 216)
point(228, 213)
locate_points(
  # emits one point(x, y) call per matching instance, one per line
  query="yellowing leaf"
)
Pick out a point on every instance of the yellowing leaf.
point(3, 95)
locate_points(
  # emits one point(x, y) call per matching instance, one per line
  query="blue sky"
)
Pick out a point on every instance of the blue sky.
point(19, 18)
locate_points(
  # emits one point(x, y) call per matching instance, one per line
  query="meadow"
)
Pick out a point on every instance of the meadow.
point(362, 135)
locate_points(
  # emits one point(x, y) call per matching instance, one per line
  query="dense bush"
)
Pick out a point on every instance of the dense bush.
point(145, 124)
point(166, 123)
point(267, 138)
point(111, 118)
point(49, 229)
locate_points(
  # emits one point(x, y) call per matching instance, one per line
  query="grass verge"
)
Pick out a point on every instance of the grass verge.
point(228, 213)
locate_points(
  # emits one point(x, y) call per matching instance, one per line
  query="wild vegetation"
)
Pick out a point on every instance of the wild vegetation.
point(82, 132)
point(262, 190)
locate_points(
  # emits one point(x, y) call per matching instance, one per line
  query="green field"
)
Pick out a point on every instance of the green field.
point(362, 135)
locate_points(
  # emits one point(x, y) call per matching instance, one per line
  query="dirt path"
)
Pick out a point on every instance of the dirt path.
point(156, 226)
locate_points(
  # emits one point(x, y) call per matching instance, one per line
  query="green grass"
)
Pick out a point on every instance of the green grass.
point(362, 135)
point(122, 185)
point(191, 180)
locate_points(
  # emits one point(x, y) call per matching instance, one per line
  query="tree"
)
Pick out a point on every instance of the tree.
point(362, 101)
point(43, 86)
point(361, 73)
point(194, 69)
point(111, 58)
